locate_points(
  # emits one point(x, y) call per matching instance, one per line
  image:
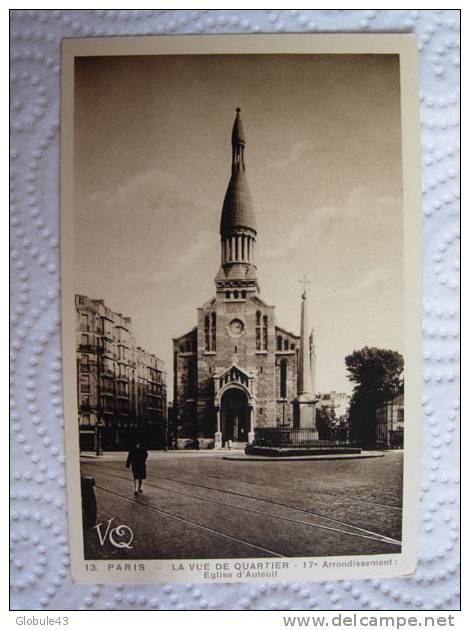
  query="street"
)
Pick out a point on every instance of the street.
point(198, 505)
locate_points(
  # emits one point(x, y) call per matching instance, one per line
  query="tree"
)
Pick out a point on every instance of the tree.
point(377, 374)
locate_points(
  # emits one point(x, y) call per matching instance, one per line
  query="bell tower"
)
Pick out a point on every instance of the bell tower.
point(237, 224)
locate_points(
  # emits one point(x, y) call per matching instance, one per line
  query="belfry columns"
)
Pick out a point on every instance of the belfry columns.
point(238, 248)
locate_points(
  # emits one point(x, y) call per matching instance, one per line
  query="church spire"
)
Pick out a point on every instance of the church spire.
point(237, 211)
point(237, 222)
point(238, 143)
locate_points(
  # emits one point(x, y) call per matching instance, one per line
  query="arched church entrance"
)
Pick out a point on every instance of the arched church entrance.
point(235, 416)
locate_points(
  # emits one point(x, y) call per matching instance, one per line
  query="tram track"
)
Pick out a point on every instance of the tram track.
point(320, 492)
point(290, 507)
point(194, 523)
point(353, 530)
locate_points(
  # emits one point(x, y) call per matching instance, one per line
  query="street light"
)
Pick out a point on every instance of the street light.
point(99, 436)
point(99, 419)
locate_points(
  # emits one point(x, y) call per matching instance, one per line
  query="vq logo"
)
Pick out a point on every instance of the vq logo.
point(111, 533)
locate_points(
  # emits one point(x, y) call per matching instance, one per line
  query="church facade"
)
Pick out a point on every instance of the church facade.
point(237, 370)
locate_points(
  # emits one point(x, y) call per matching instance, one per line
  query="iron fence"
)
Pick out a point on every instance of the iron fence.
point(303, 438)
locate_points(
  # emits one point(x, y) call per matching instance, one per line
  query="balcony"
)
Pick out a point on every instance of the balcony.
point(86, 347)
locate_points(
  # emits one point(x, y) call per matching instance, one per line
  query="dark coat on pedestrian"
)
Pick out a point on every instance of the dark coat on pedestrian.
point(136, 459)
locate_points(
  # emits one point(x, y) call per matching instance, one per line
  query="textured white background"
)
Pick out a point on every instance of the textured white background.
point(40, 556)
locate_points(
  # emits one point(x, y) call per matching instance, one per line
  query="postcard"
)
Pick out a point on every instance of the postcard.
point(241, 294)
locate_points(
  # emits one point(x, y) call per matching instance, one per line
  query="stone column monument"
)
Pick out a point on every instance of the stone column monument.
point(305, 401)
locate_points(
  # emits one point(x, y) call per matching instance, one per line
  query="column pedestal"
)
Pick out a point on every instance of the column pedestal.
point(304, 414)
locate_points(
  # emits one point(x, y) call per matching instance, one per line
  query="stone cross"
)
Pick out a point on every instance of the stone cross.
point(304, 281)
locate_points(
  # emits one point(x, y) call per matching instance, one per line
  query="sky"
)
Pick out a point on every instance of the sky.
point(323, 161)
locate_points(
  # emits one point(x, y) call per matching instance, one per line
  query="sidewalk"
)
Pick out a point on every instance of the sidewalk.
point(223, 453)
point(171, 454)
point(301, 458)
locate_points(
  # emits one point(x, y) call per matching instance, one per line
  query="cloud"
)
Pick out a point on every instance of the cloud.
point(337, 231)
point(296, 152)
point(141, 232)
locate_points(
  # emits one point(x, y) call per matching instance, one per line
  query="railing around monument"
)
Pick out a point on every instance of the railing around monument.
point(292, 438)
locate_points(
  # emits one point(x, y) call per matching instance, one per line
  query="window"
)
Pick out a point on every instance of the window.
point(210, 329)
point(84, 321)
point(286, 344)
point(243, 294)
point(265, 332)
point(86, 383)
point(213, 336)
point(235, 295)
point(283, 379)
point(207, 338)
point(279, 343)
point(261, 331)
point(227, 295)
point(84, 340)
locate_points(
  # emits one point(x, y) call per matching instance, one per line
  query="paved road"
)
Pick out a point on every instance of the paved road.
point(203, 506)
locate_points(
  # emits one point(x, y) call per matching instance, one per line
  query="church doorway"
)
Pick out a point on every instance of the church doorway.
point(235, 416)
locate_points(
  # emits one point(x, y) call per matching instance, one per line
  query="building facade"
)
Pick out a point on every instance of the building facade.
point(121, 388)
point(390, 425)
point(237, 370)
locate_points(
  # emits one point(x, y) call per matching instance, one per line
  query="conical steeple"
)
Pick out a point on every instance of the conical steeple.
point(238, 222)
point(238, 135)
point(237, 210)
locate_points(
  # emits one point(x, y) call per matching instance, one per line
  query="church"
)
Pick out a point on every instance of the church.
point(237, 370)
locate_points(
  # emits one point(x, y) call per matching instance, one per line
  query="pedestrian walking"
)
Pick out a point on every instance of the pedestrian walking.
point(136, 460)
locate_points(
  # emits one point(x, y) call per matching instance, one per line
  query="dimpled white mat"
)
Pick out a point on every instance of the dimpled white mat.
point(39, 542)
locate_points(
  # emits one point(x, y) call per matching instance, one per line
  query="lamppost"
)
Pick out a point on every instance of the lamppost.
point(99, 419)
point(99, 436)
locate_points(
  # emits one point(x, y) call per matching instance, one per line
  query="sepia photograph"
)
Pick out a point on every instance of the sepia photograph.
point(237, 341)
